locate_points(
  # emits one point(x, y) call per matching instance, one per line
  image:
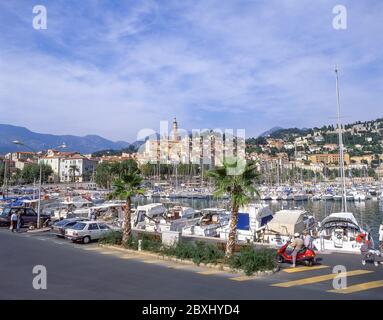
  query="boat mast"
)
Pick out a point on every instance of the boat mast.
point(341, 147)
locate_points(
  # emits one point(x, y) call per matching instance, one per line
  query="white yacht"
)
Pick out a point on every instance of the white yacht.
point(209, 224)
point(328, 196)
point(300, 196)
point(73, 207)
point(361, 196)
point(339, 230)
point(155, 217)
point(284, 224)
point(251, 221)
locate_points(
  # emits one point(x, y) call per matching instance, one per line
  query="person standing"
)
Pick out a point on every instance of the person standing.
point(307, 240)
point(90, 213)
point(322, 235)
point(297, 244)
point(13, 221)
point(18, 225)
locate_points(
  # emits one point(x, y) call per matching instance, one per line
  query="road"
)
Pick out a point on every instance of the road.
point(76, 271)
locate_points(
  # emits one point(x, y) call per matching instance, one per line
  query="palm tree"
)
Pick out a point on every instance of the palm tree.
point(72, 170)
point(125, 188)
point(124, 167)
point(239, 185)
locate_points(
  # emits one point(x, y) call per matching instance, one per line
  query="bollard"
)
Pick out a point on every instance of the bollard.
point(139, 245)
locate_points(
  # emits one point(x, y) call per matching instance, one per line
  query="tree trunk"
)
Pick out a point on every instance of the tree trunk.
point(127, 221)
point(231, 241)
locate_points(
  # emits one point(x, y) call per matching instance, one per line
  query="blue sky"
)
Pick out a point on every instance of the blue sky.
point(115, 67)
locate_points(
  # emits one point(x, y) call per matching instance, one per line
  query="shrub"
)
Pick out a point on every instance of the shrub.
point(112, 237)
point(199, 252)
point(132, 243)
point(207, 253)
point(251, 260)
point(150, 244)
point(248, 259)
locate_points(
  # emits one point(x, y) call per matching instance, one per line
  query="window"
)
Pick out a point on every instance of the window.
point(70, 224)
point(30, 212)
point(6, 212)
point(79, 226)
point(93, 226)
point(103, 226)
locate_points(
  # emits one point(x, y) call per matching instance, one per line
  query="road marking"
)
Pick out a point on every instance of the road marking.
point(209, 272)
point(42, 239)
point(316, 279)
point(302, 269)
point(243, 278)
point(360, 287)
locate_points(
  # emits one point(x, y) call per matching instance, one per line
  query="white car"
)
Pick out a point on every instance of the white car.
point(86, 231)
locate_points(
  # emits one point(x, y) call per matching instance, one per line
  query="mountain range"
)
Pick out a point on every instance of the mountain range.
point(270, 132)
point(41, 141)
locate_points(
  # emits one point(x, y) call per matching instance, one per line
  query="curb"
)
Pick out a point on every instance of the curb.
point(188, 262)
point(39, 230)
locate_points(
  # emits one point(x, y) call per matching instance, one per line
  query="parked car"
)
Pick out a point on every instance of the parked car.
point(59, 227)
point(87, 231)
point(28, 217)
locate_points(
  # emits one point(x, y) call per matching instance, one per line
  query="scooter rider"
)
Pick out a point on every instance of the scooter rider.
point(297, 244)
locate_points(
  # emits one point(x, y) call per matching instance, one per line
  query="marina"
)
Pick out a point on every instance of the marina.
point(195, 215)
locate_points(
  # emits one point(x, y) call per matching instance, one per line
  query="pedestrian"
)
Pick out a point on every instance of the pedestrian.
point(18, 226)
point(13, 221)
point(307, 240)
point(297, 244)
point(94, 215)
point(90, 213)
point(322, 235)
point(381, 237)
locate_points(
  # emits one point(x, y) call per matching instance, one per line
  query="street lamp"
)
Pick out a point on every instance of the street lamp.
point(40, 179)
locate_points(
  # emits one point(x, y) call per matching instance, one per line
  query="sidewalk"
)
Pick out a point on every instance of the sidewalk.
point(160, 258)
point(39, 230)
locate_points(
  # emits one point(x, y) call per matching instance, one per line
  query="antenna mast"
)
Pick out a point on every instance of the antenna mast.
point(341, 147)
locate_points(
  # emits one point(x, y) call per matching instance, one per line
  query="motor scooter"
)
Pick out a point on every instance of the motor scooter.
point(305, 255)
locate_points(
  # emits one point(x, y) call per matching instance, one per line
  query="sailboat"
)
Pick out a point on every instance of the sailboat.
point(340, 230)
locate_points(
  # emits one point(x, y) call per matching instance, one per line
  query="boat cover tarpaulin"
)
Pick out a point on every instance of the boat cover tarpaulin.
point(340, 219)
point(243, 221)
point(287, 222)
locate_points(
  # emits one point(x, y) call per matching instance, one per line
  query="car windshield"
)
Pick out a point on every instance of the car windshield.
point(5, 211)
point(61, 223)
point(79, 226)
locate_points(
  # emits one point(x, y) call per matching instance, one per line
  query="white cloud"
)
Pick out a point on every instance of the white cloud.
point(113, 70)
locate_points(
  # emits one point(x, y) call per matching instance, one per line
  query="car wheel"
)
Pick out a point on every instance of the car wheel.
point(308, 263)
point(279, 258)
point(86, 240)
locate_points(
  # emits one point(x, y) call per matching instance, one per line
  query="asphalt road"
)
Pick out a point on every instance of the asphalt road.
point(76, 271)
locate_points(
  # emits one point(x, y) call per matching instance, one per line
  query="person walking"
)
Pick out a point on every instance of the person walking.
point(297, 244)
point(13, 221)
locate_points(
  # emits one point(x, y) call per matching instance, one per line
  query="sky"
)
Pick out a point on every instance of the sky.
point(113, 68)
